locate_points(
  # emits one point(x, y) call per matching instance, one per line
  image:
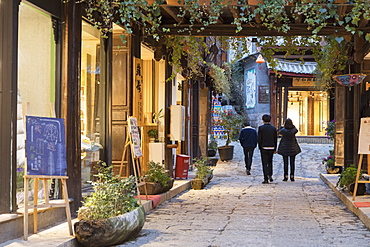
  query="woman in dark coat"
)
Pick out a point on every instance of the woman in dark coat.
point(288, 147)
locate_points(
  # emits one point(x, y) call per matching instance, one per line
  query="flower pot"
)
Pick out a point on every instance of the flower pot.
point(198, 184)
point(334, 170)
point(110, 231)
point(212, 162)
point(156, 188)
point(226, 152)
point(361, 189)
point(211, 153)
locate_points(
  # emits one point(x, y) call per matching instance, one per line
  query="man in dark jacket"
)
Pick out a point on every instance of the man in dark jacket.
point(248, 140)
point(267, 142)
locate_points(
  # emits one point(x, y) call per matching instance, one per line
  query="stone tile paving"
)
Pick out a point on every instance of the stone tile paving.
point(237, 210)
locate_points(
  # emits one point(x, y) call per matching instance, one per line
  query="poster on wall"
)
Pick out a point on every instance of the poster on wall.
point(45, 146)
point(364, 136)
point(263, 94)
point(250, 88)
point(135, 137)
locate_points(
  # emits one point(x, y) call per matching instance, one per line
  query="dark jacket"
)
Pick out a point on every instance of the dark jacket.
point(248, 137)
point(288, 145)
point(267, 136)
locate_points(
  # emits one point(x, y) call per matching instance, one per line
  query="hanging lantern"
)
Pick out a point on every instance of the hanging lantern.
point(349, 80)
point(260, 59)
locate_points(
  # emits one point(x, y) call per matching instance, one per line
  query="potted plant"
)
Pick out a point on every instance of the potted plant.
point(111, 214)
point(203, 173)
point(156, 179)
point(153, 135)
point(330, 166)
point(212, 147)
point(231, 124)
point(347, 180)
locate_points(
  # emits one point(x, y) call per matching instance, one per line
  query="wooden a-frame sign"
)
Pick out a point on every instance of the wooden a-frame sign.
point(363, 148)
point(45, 152)
point(133, 143)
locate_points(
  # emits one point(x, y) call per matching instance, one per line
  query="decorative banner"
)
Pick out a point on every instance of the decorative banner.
point(364, 137)
point(250, 88)
point(135, 136)
point(138, 91)
point(45, 146)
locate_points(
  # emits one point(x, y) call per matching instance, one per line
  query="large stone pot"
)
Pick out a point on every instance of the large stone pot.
point(106, 232)
point(156, 188)
point(226, 152)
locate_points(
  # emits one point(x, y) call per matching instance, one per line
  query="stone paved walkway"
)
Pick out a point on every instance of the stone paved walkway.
point(237, 210)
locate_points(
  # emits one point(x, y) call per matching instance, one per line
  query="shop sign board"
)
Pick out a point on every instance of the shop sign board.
point(364, 136)
point(135, 137)
point(303, 82)
point(45, 146)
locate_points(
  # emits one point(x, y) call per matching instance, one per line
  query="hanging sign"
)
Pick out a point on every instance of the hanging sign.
point(45, 146)
point(364, 136)
point(135, 136)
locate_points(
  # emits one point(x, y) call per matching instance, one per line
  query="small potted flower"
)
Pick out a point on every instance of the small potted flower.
point(347, 180)
point(153, 135)
point(329, 163)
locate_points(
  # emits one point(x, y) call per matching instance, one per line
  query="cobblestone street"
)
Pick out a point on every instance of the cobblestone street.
point(237, 210)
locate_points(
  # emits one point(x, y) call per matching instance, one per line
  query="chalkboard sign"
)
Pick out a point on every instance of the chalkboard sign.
point(135, 137)
point(364, 136)
point(45, 146)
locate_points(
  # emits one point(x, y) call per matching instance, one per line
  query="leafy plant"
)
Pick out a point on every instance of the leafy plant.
point(202, 166)
point(231, 123)
point(157, 115)
point(153, 133)
point(213, 144)
point(329, 161)
point(112, 196)
point(347, 177)
point(330, 129)
point(156, 174)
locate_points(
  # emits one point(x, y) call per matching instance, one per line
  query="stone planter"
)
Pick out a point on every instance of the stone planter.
point(156, 188)
point(198, 184)
point(110, 231)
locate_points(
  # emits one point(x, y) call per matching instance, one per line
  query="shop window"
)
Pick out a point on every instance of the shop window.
point(92, 94)
point(36, 81)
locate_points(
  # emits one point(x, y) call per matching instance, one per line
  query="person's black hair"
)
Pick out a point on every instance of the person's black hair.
point(247, 123)
point(266, 118)
point(288, 124)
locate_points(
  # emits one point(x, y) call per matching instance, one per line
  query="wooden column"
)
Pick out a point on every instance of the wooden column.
point(8, 101)
point(71, 98)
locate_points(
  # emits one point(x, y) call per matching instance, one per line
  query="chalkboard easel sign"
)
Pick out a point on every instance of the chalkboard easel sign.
point(45, 146)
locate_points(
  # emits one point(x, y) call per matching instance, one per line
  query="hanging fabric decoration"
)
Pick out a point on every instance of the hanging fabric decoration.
point(349, 80)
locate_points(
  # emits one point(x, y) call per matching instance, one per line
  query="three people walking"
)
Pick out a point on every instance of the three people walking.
point(267, 142)
point(288, 147)
point(248, 140)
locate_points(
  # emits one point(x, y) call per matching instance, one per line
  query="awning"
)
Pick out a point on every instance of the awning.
point(296, 67)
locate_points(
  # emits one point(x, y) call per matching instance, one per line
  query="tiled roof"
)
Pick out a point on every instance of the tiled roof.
point(295, 67)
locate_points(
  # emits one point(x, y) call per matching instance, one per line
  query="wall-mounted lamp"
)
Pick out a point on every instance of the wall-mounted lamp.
point(260, 59)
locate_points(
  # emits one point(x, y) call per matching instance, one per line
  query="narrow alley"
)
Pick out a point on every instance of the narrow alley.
point(238, 210)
